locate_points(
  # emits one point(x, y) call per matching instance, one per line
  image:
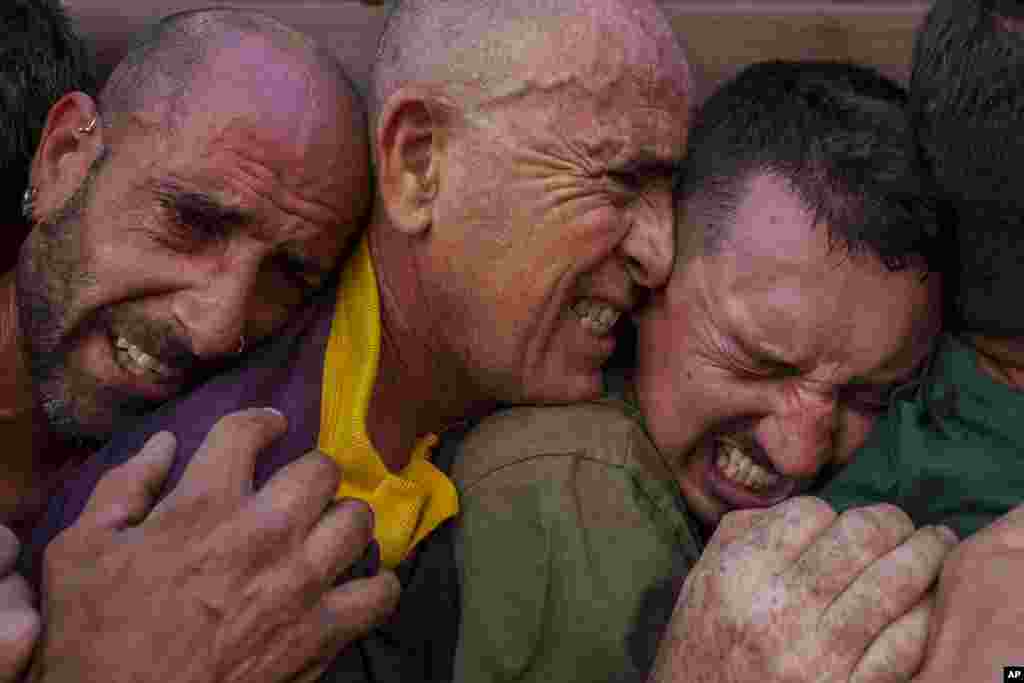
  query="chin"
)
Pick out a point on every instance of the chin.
point(573, 389)
point(89, 422)
point(72, 429)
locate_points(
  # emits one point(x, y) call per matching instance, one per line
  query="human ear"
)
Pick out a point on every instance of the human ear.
point(410, 146)
point(71, 140)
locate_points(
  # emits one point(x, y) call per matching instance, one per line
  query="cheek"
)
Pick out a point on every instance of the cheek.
point(675, 402)
point(269, 309)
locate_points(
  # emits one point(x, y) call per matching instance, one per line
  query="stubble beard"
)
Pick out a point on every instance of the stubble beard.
point(80, 410)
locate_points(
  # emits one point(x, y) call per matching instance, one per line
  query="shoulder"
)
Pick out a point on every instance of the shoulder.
point(544, 438)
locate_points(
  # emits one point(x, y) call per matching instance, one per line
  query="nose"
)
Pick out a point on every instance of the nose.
point(649, 247)
point(805, 433)
point(214, 314)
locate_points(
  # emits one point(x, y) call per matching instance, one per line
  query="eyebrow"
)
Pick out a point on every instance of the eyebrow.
point(212, 211)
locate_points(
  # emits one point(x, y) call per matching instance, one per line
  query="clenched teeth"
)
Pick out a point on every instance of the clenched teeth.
point(596, 316)
point(736, 466)
point(141, 361)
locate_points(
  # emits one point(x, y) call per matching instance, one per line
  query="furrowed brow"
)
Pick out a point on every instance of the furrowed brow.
point(650, 164)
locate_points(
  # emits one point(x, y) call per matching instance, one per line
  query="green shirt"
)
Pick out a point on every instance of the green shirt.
point(953, 453)
point(568, 516)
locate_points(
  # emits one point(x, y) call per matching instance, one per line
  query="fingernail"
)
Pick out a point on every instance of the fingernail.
point(162, 441)
point(363, 508)
point(949, 534)
point(275, 411)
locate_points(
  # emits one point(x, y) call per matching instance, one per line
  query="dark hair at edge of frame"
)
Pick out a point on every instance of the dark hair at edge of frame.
point(967, 98)
point(967, 107)
point(839, 135)
point(42, 58)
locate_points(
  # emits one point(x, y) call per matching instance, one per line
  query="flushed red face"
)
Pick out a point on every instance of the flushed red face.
point(771, 357)
point(182, 240)
point(554, 214)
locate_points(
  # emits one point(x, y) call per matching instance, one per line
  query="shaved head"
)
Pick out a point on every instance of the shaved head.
point(170, 57)
point(229, 174)
point(477, 50)
point(524, 156)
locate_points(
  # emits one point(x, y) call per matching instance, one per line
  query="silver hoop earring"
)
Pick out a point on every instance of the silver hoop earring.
point(241, 345)
point(28, 203)
point(88, 128)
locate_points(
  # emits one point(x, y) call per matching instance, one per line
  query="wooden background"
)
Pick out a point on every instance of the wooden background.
point(722, 35)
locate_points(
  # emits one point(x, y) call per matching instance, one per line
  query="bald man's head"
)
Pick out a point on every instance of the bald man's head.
point(528, 149)
point(475, 50)
point(158, 73)
point(229, 174)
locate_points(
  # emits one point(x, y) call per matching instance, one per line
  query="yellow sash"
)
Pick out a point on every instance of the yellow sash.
point(407, 505)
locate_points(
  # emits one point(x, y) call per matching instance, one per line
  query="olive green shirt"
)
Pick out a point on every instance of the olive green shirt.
point(568, 516)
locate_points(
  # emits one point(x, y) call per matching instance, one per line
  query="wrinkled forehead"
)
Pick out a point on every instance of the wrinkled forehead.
point(809, 301)
point(585, 56)
point(253, 106)
point(610, 92)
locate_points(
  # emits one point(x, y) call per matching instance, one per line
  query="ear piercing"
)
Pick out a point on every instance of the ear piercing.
point(88, 128)
point(28, 202)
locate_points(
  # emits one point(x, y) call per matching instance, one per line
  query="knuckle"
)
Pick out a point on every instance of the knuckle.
point(273, 524)
point(940, 541)
point(253, 422)
point(808, 507)
point(881, 526)
point(326, 467)
point(391, 590)
point(737, 518)
point(921, 557)
point(359, 516)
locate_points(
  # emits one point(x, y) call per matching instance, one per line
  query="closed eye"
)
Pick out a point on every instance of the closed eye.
point(868, 398)
point(196, 219)
point(626, 179)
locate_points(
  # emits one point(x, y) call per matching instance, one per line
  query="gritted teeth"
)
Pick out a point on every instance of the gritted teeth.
point(738, 467)
point(140, 360)
point(597, 316)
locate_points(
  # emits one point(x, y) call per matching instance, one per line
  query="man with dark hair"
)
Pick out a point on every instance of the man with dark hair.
point(41, 59)
point(950, 452)
point(201, 202)
point(804, 292)
point(524, 155)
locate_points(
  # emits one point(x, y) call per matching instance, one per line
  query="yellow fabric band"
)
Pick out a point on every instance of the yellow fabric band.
point(409, 504)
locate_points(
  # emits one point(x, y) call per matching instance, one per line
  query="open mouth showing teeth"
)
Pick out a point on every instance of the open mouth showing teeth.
point(138, 361)
point(596, 316)
point(739, 468)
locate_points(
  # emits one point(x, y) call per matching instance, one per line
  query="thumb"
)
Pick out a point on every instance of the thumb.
point(125, 495)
